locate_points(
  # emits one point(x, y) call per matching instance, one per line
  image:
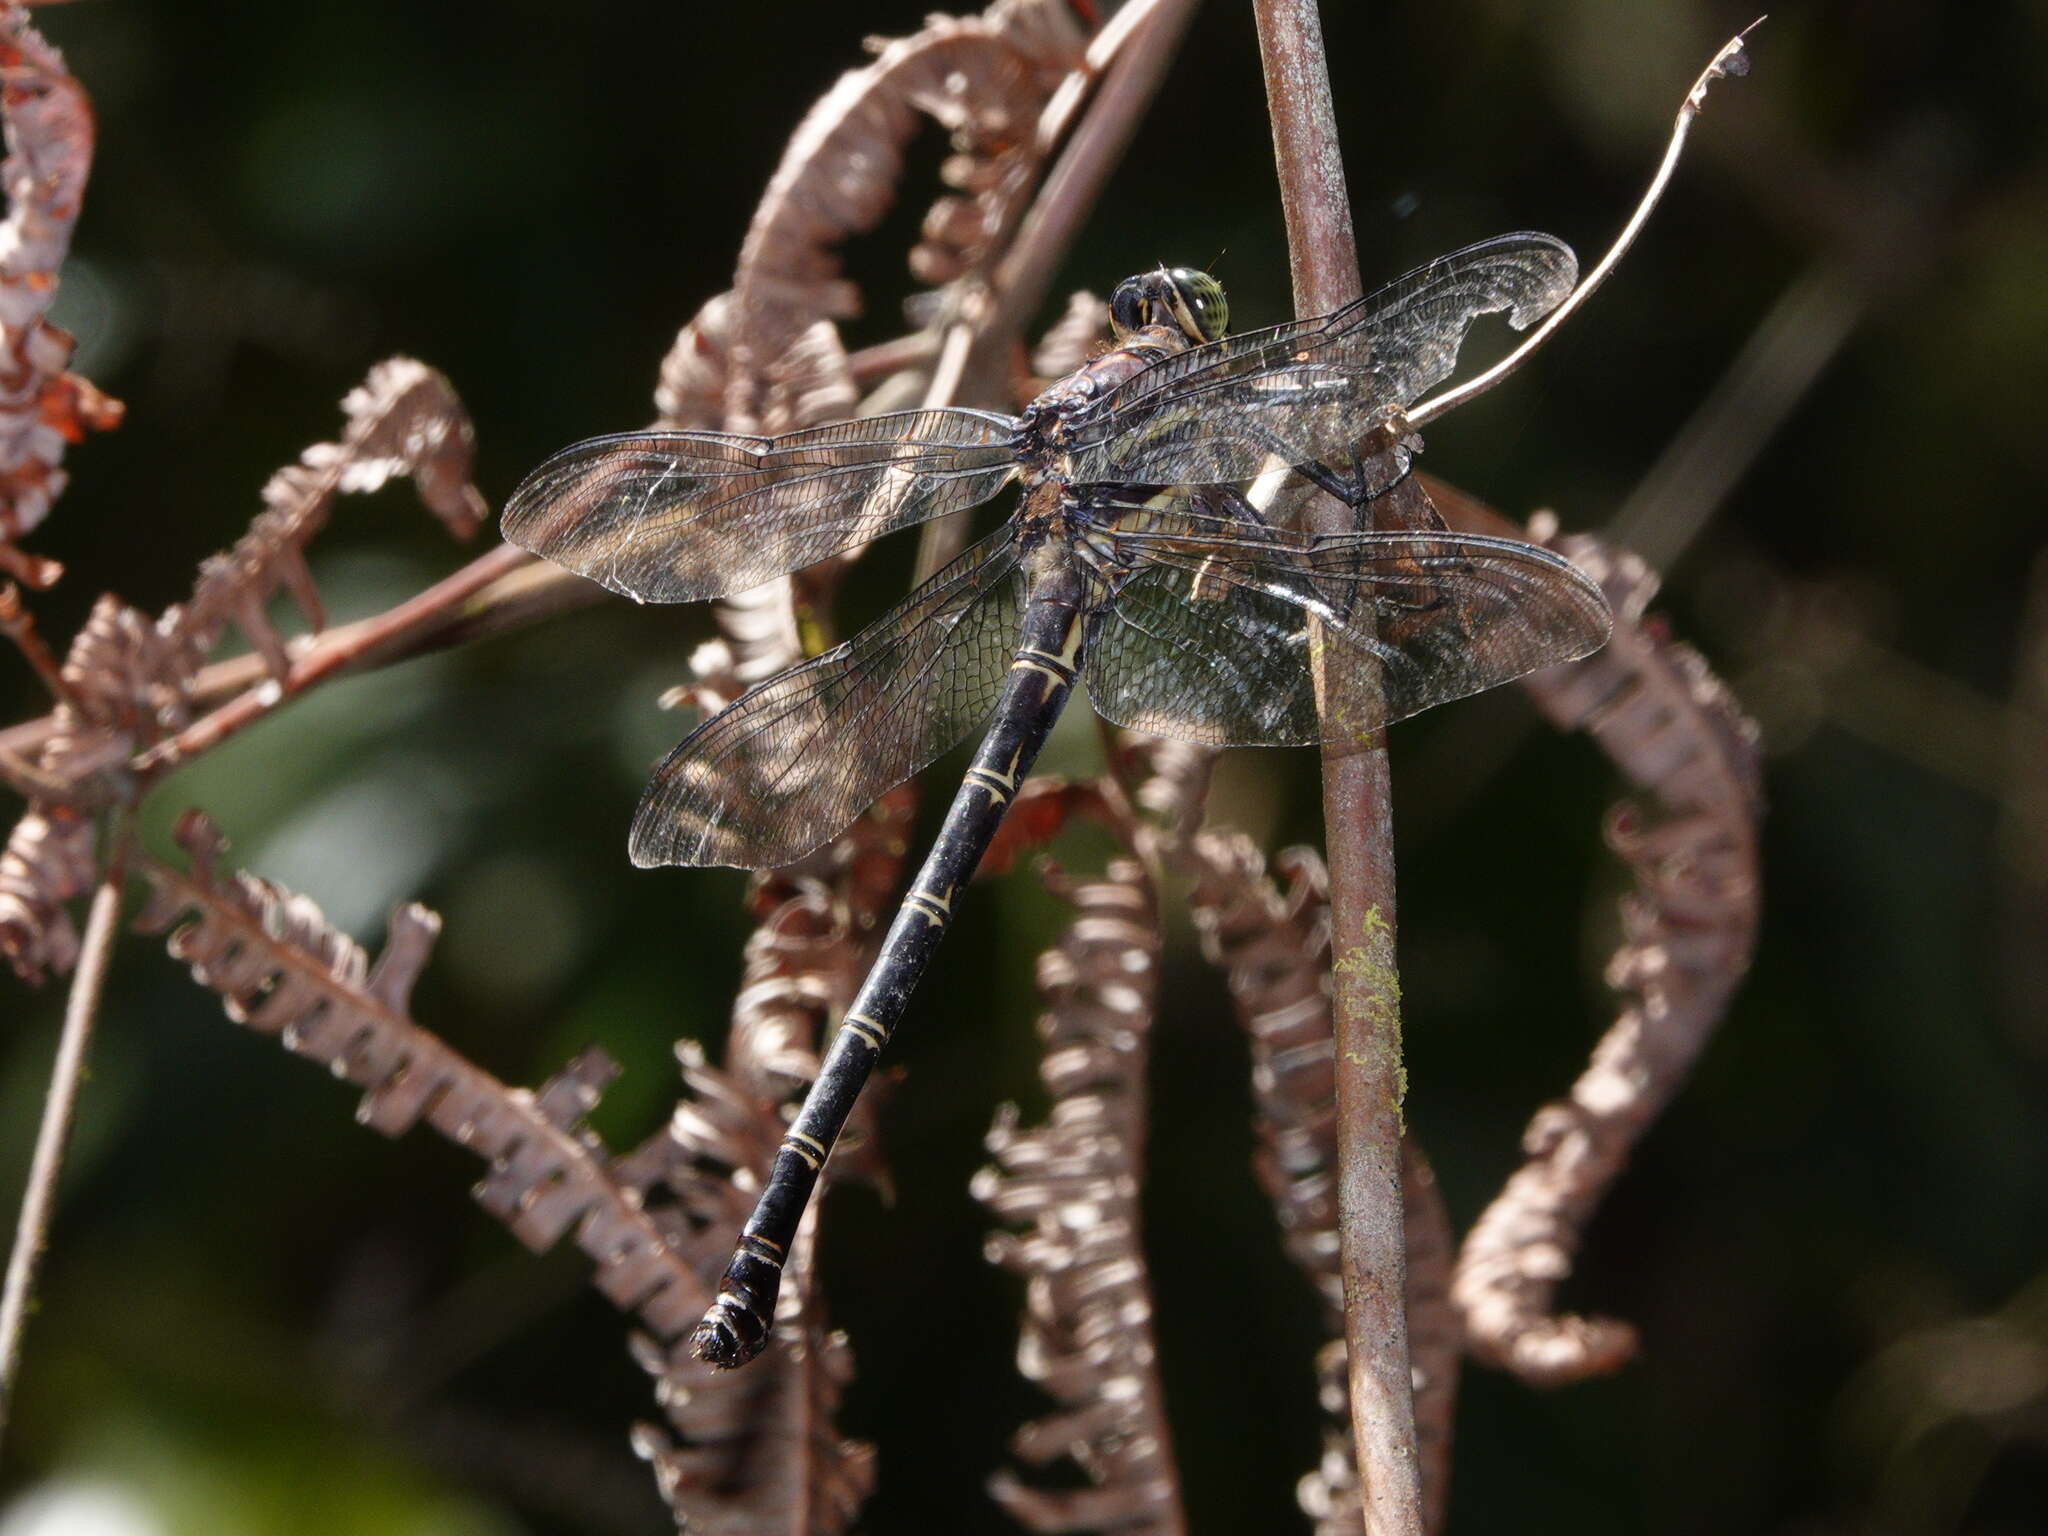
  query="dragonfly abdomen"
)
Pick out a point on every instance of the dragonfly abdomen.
point(1041, 677)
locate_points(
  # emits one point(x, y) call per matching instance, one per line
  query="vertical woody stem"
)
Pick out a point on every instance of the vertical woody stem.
point(1358, 821)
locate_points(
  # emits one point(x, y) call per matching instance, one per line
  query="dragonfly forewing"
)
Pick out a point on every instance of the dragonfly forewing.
point(677, 517)
point(792, 763)
point(1315, 389)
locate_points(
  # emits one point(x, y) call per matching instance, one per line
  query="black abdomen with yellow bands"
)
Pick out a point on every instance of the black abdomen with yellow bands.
point(1048, 659)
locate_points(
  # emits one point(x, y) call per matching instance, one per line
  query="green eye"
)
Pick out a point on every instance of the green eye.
point(1199, 303)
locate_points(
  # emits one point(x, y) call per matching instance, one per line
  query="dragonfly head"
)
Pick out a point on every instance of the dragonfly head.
point(1189, 301)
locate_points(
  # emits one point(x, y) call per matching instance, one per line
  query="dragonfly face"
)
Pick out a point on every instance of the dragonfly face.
point(1191, 302)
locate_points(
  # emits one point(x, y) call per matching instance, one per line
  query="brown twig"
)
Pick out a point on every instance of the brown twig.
point(1273, 944)
point(1358, 826)
point(413, 623)
point(60, 1103)
point(499, 591)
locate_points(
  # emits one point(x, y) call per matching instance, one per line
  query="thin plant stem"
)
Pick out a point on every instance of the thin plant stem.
point(1731, 60)
point(329, 655)
point(18, 627)
point(1358, 823)
point(502, 590)
point(81, 1013)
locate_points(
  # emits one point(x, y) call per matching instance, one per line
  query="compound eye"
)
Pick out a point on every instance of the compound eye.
point(1199, 304)
point(1127, 307)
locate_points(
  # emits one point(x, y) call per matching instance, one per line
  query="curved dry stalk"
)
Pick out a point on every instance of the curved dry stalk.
point(283, 971)
point(1689, 927)
point(766, 356)
point(42, 407)
point(1073, 1185)
point(1731, 60)
point(984, 79)
point(39, 1198)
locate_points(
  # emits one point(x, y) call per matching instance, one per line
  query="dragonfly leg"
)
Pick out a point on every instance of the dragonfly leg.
point(1354, 484)
point(736, 1326)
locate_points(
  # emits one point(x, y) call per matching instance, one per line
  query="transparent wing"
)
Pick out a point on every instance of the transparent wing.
point(1219, 638)
point(677, 517)
point(785, 767)
point(1314, 389)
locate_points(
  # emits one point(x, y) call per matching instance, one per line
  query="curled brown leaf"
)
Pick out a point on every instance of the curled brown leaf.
point(121, 684)
point(1688, 929)
point(42, 406)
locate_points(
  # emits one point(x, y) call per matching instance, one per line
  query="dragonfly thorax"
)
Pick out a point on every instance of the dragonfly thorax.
point(1045, 422)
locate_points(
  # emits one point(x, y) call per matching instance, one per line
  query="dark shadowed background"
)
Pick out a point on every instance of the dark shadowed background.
point(259, 1318)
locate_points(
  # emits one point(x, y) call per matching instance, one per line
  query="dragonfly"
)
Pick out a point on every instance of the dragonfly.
point(1138, 562)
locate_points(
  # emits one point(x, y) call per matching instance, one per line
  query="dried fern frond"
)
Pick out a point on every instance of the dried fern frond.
point(48, 862)
point(657, 1221)
point(1689, 927)
point(403, 419)
point(1073, 338)
point(766, 357)
point(984, 79)
point(1073, 1184)
point(121, 685)
point(42, 407)
point(124, 686)
point(757, 1452)
point(737, 1466)
point(282, 970)
point(1273, 944)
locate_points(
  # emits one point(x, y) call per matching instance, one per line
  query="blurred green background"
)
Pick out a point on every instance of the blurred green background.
point(258, 1318)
